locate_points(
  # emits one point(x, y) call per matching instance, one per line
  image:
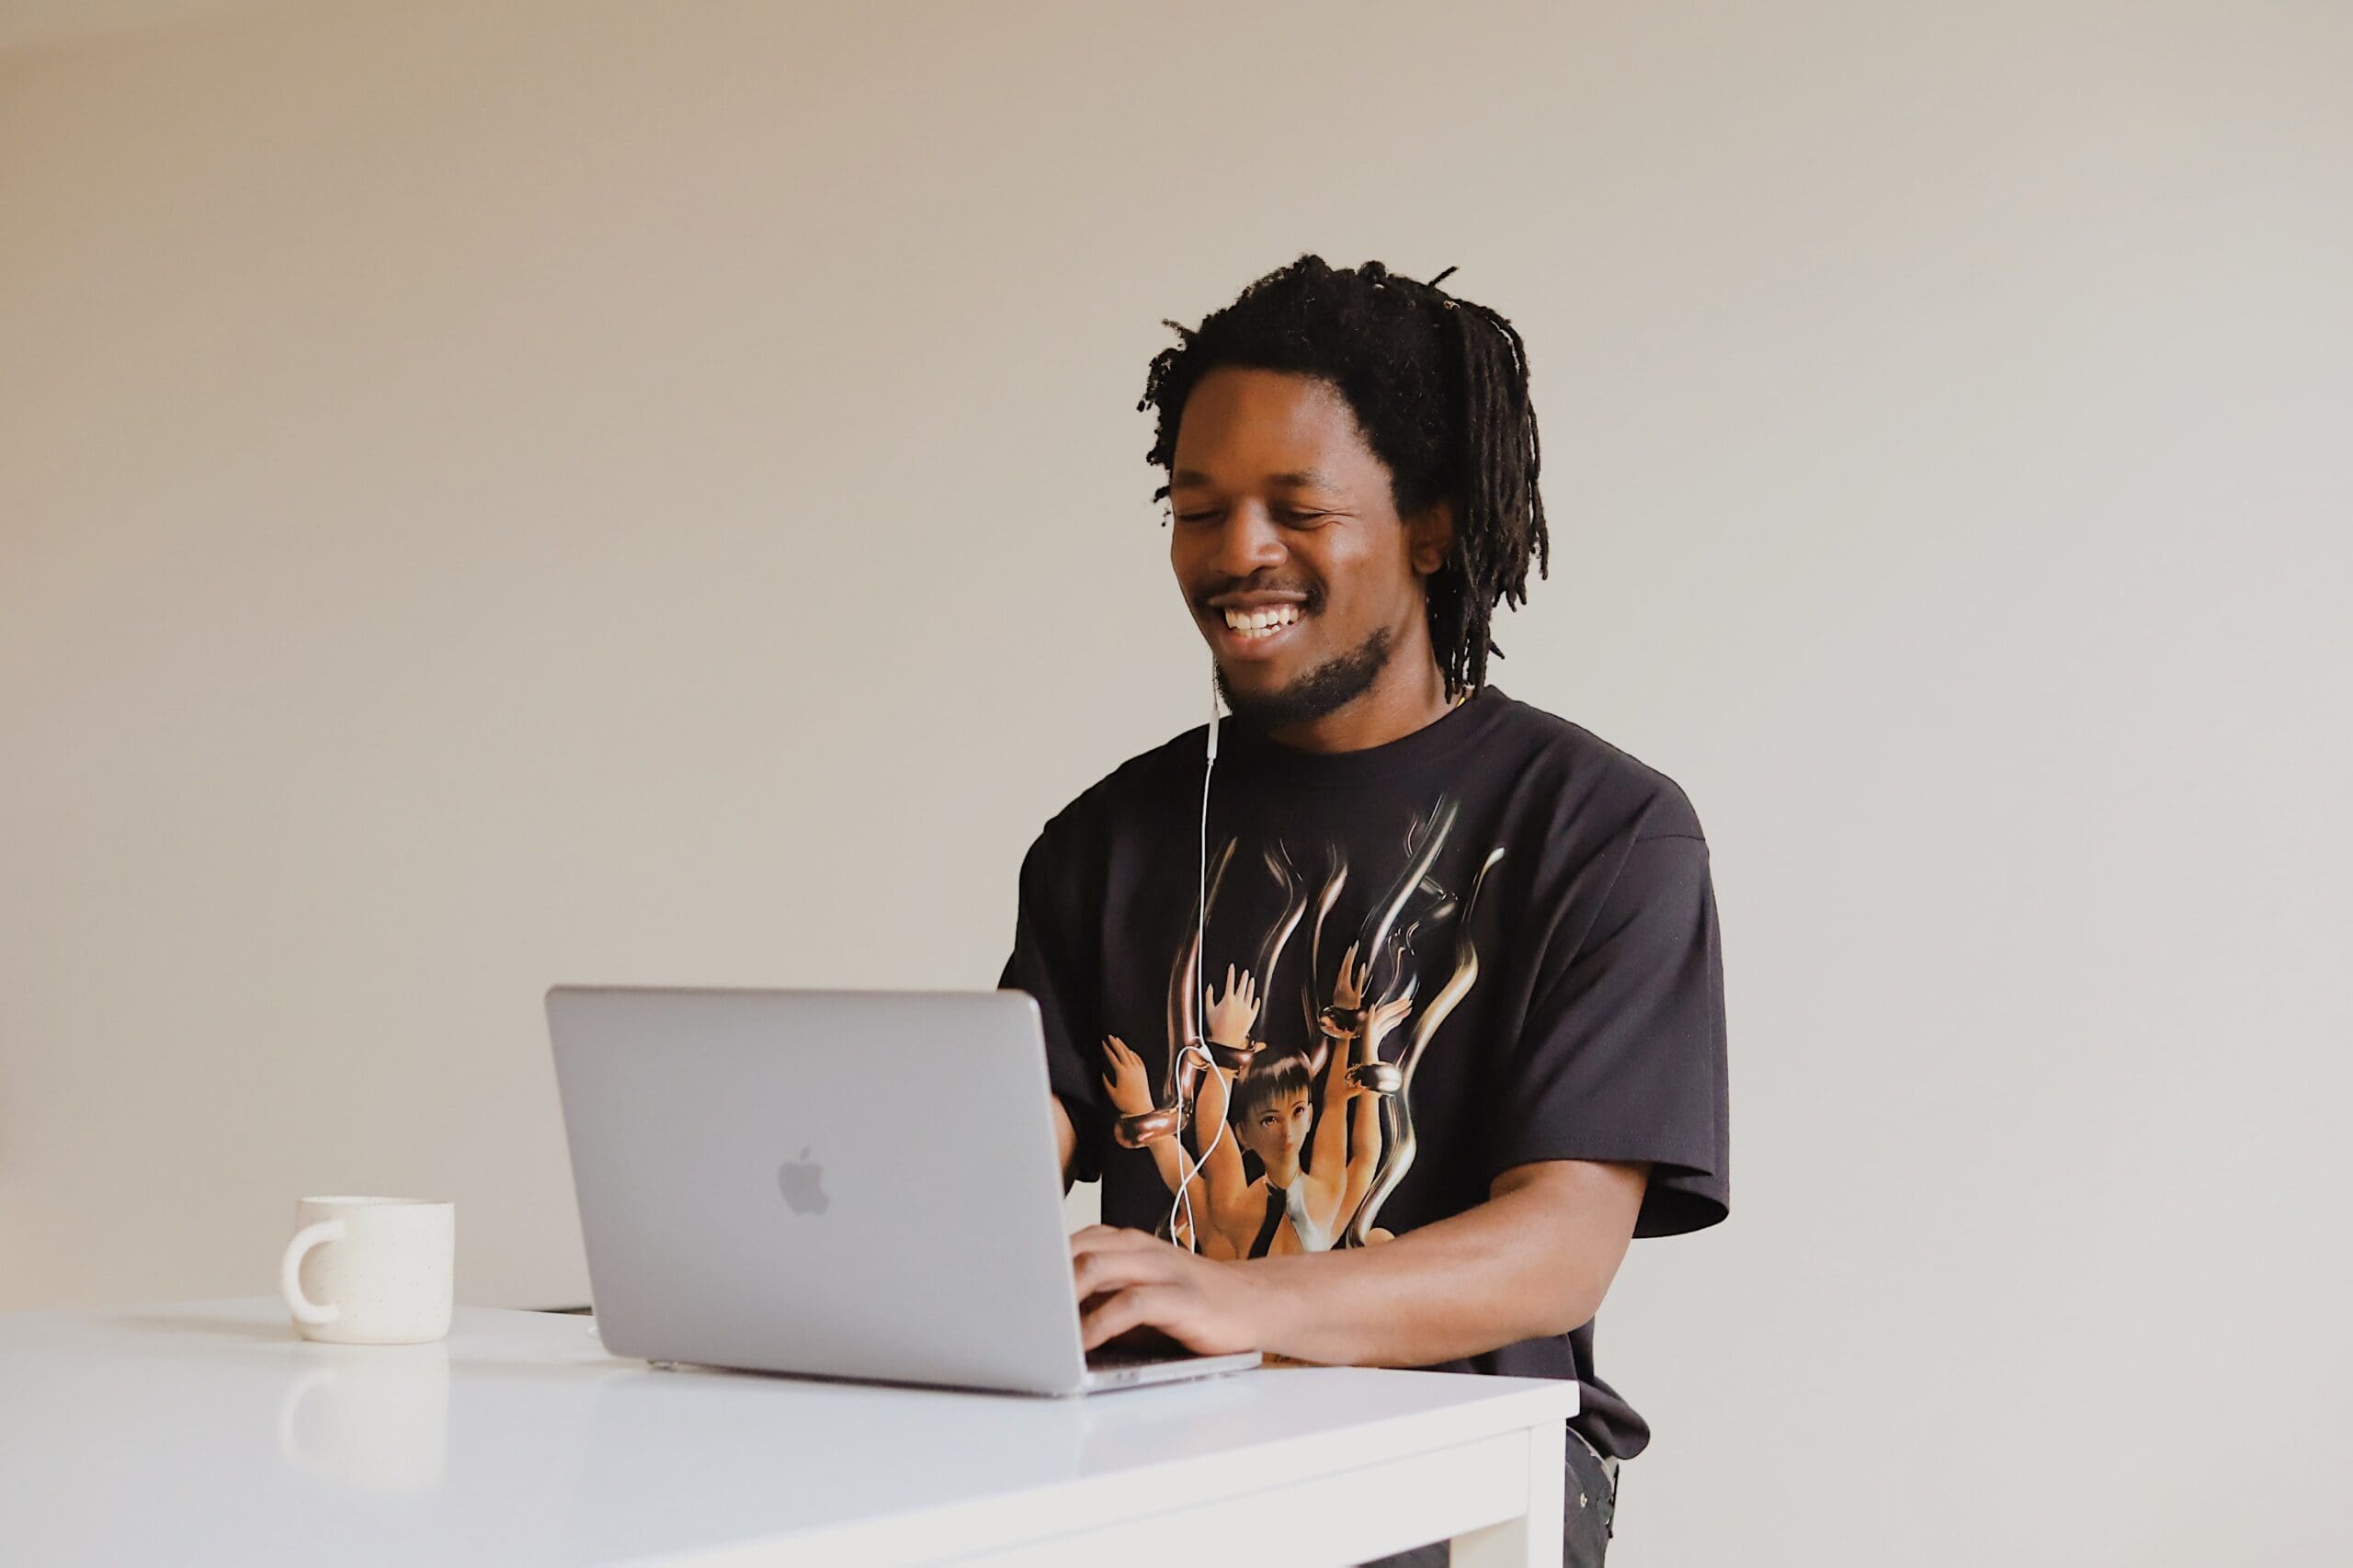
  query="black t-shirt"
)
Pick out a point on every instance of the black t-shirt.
point(1537, 977)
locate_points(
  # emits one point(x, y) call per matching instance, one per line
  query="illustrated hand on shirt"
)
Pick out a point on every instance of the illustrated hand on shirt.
point(1229, 1020)
point(1367, 1073)
point(1347, 990)
point(1127, 1084)
point(1385, 1017)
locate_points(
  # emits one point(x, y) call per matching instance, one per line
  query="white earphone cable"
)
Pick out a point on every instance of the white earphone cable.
point(1200, 951)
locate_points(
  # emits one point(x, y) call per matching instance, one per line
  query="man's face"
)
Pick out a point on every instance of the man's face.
point(1280, 506)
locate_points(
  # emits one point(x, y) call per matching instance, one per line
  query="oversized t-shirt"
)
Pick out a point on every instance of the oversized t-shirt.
point(1536, 975)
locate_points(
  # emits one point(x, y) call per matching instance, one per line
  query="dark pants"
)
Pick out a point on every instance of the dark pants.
point(1589, 1514)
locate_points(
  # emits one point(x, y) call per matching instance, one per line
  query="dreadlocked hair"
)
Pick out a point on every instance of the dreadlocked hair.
point(1438, 386)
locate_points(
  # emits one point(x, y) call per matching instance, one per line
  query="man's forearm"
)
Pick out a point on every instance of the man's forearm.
point(1065, 1137)
point(1534, 1259)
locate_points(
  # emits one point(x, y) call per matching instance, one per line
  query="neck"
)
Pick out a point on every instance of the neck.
point(1409, 692)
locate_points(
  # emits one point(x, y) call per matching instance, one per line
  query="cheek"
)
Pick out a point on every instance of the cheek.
point(1344, 575)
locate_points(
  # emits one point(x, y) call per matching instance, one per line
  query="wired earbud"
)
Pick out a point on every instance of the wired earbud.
point(1214, 709)
point(1184, 1203)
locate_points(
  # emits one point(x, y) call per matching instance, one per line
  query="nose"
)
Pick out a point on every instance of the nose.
point(1248, 541)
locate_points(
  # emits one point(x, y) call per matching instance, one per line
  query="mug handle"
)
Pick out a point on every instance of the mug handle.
point(290, 1272)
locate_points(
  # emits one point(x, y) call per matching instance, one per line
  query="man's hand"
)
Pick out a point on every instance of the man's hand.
point(1535, 1259)
point(1127, 1280)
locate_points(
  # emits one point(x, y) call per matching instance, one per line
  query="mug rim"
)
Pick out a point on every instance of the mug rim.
point(379, 1203)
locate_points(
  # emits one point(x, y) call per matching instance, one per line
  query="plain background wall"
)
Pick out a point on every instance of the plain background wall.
point(493, 495)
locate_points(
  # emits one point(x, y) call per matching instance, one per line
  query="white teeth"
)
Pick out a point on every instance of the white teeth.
point(1259, 622)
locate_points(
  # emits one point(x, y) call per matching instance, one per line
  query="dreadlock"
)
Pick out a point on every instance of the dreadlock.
point(1438, 386)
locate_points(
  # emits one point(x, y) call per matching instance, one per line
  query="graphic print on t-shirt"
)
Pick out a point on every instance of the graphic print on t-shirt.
point(1299, 1146)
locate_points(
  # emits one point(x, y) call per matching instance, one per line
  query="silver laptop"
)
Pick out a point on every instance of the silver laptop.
point(843, 1184)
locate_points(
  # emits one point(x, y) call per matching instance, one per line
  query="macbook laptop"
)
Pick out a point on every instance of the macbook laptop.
point(841, 1184)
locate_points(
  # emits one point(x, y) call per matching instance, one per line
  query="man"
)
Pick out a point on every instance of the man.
point(1469, 949)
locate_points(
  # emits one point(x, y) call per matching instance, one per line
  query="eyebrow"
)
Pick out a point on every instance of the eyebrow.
point(1305, 478)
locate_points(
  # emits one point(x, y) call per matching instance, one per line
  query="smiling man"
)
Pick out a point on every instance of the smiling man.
point(1440, 1027)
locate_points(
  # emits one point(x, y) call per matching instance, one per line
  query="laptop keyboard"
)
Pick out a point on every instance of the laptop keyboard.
point(1118, 1358)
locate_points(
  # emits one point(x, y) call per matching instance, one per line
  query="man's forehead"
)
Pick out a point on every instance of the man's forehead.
point(1267, 429)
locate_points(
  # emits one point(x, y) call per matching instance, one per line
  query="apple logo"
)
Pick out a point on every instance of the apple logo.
point(803, 1182)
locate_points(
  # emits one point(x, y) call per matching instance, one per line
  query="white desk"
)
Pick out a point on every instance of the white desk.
point(206, 1433)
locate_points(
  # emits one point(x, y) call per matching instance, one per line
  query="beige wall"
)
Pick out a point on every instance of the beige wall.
point(495, 494)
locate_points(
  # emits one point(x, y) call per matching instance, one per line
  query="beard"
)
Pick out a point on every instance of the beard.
point(1328, 687)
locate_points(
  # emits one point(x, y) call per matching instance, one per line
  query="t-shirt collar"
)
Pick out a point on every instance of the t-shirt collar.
point(1457, 726)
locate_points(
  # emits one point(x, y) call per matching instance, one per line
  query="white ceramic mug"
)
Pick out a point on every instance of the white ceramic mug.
point(370, 1270)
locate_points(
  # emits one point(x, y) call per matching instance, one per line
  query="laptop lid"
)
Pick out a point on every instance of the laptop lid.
point(851, 1184)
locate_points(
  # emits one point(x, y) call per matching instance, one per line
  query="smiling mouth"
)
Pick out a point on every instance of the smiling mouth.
point(1256, 629)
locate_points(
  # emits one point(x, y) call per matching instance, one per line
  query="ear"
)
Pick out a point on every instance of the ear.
point(1429, 537)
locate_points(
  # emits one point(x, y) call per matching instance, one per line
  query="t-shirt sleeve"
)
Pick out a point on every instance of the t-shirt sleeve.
point(1622, 1053)
point(1051, 961)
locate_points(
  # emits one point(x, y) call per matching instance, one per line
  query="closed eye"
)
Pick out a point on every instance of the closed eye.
point(1289, 515)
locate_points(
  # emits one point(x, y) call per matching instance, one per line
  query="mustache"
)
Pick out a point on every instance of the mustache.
point(1310, 599)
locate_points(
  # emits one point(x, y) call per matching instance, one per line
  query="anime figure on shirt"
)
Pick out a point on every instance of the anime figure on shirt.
point(1315, 1159)
point(1159, 1122)
point(1316, 1136)
point(1329, 1124)
point(1277, 1113)
point(1210, 1042)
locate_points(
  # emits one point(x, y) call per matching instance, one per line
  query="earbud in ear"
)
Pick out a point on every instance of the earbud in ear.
point(1212, 708)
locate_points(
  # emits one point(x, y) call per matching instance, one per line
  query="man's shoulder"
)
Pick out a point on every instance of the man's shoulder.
point(1146, 776)
point(1596, 778)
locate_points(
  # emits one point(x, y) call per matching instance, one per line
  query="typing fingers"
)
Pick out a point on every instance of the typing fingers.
point(1141, 1306)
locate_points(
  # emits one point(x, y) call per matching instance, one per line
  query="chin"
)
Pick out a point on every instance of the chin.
point(1299, 689)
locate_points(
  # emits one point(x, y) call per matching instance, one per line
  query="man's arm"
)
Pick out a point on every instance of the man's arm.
point(1065, 1137)
point(1535, 1258)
